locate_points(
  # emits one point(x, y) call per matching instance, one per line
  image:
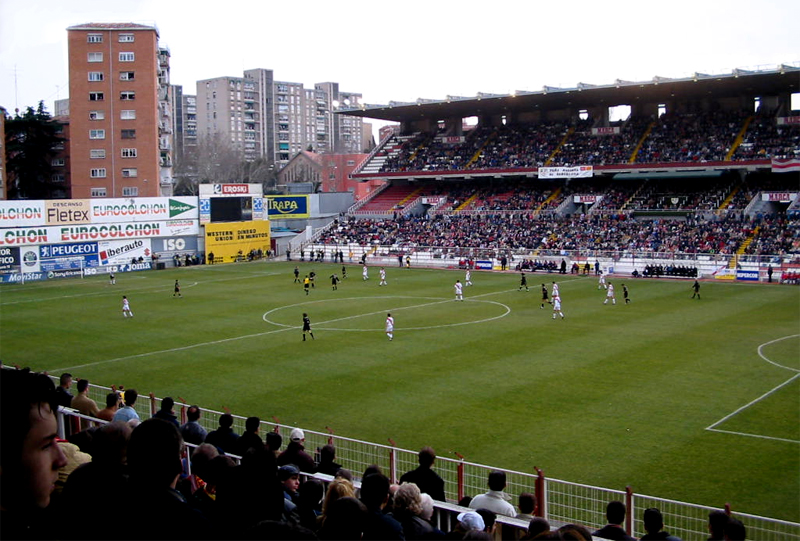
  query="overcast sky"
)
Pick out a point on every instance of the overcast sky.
point(412, 49)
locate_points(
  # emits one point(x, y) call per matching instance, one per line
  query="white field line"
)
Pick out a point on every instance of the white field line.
point(231, 339)
point(109, 289)
point(713, 426)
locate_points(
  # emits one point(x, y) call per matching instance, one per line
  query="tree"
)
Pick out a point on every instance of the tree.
point(31, 141)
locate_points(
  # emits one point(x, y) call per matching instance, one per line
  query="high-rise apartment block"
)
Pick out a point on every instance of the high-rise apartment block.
point(274, 120)
point(184, 107)
point(120, 115)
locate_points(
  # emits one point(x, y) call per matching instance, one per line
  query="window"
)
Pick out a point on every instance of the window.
point(95, 57)
point(57, 162)
point(99, 172)
point(130, 191)
point(97, 134)
point(126, 76)
point(57, 177)
point(126, 57)
point(127, 95)
point(126, 38)
point(127, 114)
point(94, 38)
point(129, 134)
point(97, 115)
point(98, 192)
point(130, 172)
point(96, 96)
point(95, 75)
point(128, 152)
point(97, 153)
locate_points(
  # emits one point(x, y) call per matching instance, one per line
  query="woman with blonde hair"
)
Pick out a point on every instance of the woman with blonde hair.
point(409, 510)
point(338, 488)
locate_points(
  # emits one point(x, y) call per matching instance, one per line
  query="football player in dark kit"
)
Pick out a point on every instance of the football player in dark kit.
point(307, 327)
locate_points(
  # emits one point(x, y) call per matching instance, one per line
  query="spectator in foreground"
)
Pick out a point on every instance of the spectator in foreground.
point(495, 500)
point(408, 511)
point(126, 412)
point(527, 506)
point(112, 405)
point(327, 464)
point(654, 524)
point(375, 496)
point(295, 453)
point(615, 514)
point(30, 458)
point(345, 518)
point(167, 412)
point(467, 522)
point(424, 477)
point(250, 437)
point(84, 404)
point(192, 431)
point(105, 474)
point(154, 460)
point(63, 396)
point(716, 525)
point(224, 438)
point(734, 530)
point(289, 476)
point(538, 528)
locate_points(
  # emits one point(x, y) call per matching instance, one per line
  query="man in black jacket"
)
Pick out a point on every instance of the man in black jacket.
point(424, 477)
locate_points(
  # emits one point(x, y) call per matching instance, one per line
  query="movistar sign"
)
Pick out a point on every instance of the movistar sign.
point(178, 207)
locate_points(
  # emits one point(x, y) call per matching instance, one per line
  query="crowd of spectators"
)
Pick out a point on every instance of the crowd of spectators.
point(765, 139)
point(605, 232)
point(672, 138)
point(46, 483)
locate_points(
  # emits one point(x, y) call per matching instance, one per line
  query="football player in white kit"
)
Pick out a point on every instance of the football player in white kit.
point(468, 278)
point(610, 294)
point(383, 277)
point(601, 282)
point(365, 273)
point(126, 307)
point(459, 290)
point(390, 326)
point(557, 307)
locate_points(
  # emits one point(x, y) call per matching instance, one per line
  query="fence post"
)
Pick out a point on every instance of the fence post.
point(460, 476)
point(392, 461)
point(541, 495)
point(631, 510)
point(330, 435)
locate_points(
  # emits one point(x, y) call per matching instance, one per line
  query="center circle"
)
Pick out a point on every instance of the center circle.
point(323, 326)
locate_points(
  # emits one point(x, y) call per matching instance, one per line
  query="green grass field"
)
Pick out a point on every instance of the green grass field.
point(610, 396)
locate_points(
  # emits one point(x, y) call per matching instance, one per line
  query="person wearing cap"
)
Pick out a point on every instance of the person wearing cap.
point(495, 500)
point(289, 476)
point(467, 522)
point(295, 453)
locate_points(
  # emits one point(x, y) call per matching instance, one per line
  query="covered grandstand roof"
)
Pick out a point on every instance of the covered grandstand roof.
point(779, 80)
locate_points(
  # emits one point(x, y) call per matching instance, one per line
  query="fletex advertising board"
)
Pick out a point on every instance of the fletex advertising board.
point(287, 206)
point(228, 240)
point(14, 214)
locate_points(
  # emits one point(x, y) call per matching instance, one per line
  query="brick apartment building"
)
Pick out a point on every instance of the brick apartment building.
point(120, 127)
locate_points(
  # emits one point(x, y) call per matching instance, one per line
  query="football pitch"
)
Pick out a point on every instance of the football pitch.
point(692, 400)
